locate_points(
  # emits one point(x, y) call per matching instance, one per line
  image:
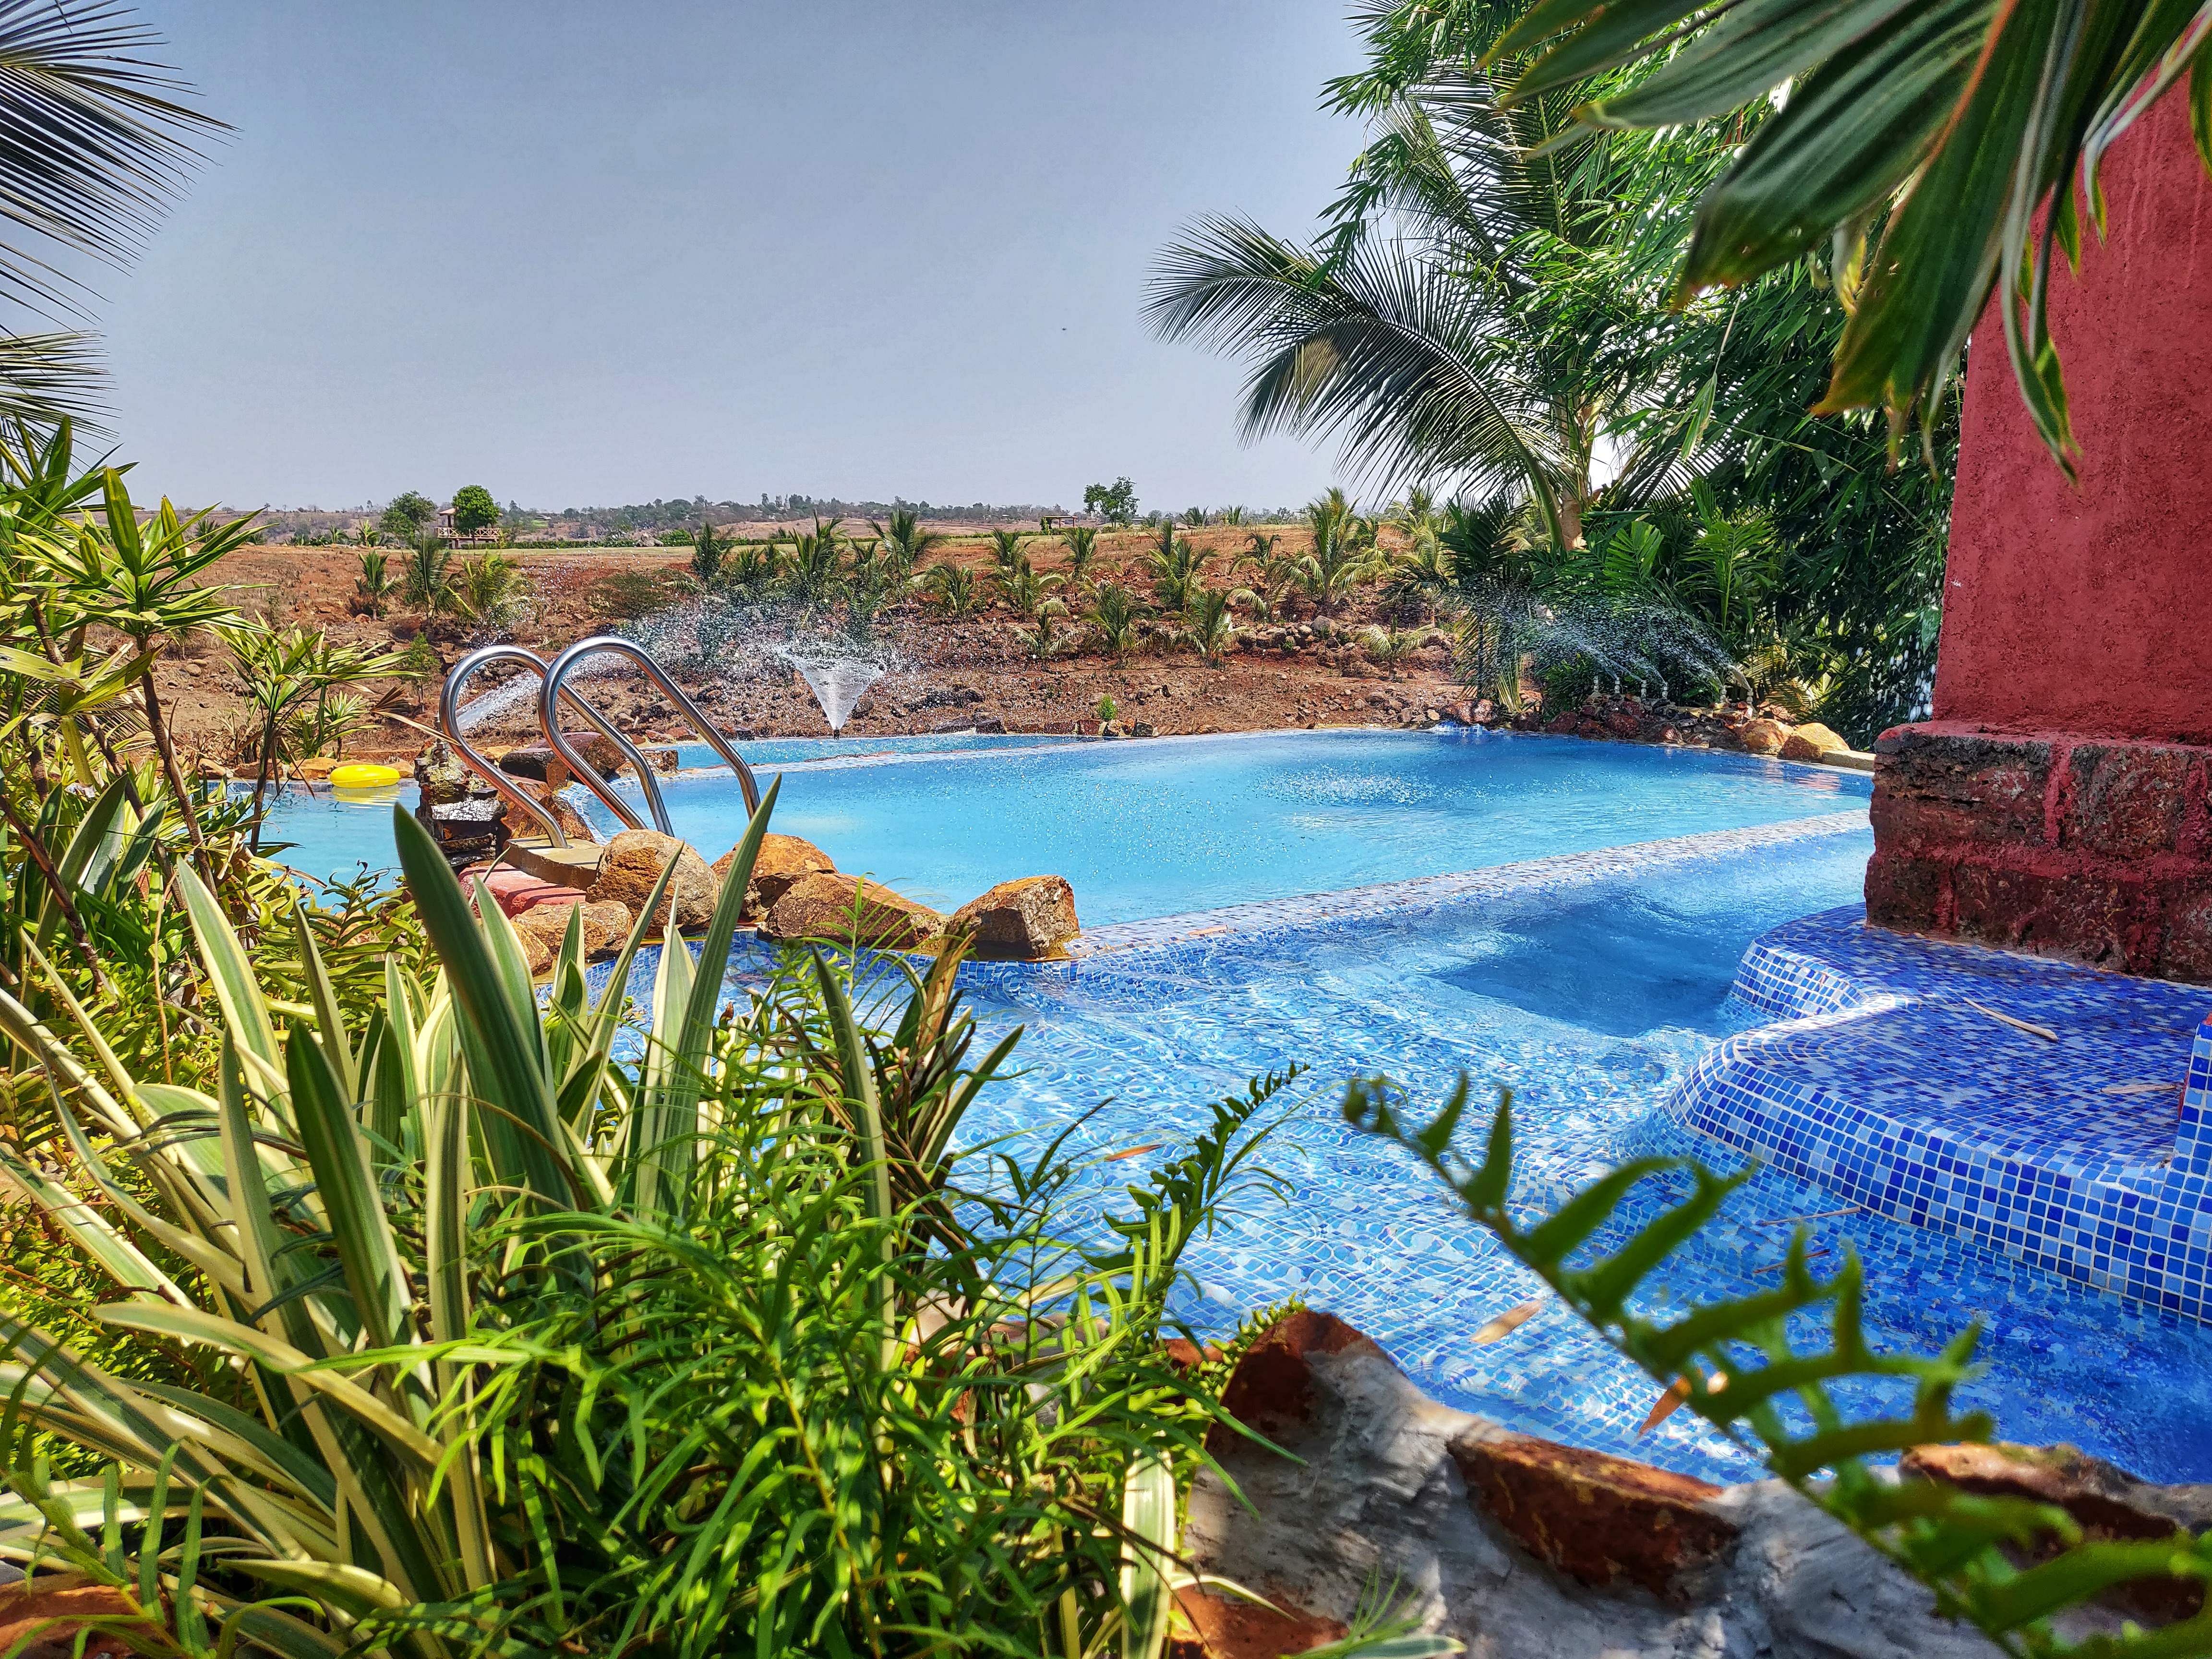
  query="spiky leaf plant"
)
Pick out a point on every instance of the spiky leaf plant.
point(1746, 1368)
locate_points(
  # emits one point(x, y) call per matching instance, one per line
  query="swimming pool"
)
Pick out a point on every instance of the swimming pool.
point(1591, 985)
point(1169, 825)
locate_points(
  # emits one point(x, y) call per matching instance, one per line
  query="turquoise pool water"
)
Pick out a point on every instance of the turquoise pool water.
point(1169, 825)
point(1592, 997)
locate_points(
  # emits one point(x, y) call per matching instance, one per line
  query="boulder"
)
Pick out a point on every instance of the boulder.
point(444, 778)
point(849, 910)
point(537, 761)
point(634, 861)
point(1763, 737)
point(542, 928)
point(1020, 920)
point(1810, 742)
point(782, 860)
point(519, 822)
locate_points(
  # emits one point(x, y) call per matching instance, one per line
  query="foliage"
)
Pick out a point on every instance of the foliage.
point(98, 142)
point(1389, 646)
point(1211, 622)
point(696, 1346)
point(406, 515)
point(1276, 573)
point(1105, 710)
point(1113, 615)
point(426, 583)
point(1082, 544)
point(1177, 569)
point(1943, 139)
point(953, 589)
point(490, 590)
point(289, 675)
point(1488, 310)
point(474, 510)
point(1343, 553)
point(1117, 502)
point(707, 552)
point(905, 543)
point(1758, 1370)
point(375, 585)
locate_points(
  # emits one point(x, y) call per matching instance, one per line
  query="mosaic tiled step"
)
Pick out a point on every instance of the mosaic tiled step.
point(2032, 1106)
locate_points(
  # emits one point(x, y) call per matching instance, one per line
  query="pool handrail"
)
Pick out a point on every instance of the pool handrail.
point(548, 701)
point(449, 727)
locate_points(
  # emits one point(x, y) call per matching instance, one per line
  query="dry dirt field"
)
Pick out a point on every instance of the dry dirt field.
point(1308, 672)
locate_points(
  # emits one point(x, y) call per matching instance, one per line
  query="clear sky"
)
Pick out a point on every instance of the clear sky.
point(588, 253)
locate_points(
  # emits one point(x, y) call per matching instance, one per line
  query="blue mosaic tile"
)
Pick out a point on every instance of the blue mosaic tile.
point(2048, 1111)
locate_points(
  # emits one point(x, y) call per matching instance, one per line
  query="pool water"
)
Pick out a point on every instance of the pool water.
point(1175, 824)
point(1591, 998)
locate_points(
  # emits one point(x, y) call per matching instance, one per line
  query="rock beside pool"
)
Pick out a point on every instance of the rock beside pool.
point(1020, 920)
point(519, 822)
point(1515, 1545)
point(1809, 742)
point(1763, 737)
point(850, 910)
point(782, 860)
point(542, 926)
point(634, 861)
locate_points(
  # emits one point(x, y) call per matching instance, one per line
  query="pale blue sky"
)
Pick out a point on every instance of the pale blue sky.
point(593, 253)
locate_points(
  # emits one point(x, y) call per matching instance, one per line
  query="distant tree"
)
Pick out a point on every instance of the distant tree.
point(474, 509)
point(1117, 502)
point(409, 512)
point(706, 550)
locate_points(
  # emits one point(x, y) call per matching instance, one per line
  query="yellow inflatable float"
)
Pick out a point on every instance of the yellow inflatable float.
point(363, 774)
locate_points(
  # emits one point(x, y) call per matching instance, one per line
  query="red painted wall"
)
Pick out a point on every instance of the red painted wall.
point(2089, 611)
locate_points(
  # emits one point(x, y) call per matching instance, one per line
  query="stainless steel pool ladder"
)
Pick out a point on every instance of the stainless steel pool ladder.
point(555, 687)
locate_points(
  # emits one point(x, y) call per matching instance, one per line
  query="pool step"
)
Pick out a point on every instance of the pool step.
point(576, 865)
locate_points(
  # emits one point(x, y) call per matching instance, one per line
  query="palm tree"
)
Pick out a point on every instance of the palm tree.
point(1177, 570)
point(813, 566)
point(1006, 551)
point(1343, 554)
point(953, 589)
point(905, 542)
point(1113, 613)
point(1278, 574)
point(1414, 344)
point(375, 585)
point(1213, 623)
point(706, 550)
point(1024, 588)
point(1968, 133)
point(425, 583)
point(1082, 542)
point(97, 143)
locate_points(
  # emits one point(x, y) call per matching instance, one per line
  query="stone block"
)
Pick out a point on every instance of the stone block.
point(2129, 800)
point(1904, 891)
point(2080, 912)
point(1598, 1518)
point(1020, 920)
point(1936, 784)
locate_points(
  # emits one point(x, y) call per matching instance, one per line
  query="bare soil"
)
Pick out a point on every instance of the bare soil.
point(1305, 670)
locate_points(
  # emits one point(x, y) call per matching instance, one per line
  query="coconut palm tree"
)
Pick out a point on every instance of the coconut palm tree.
point(1955, 133)
point(1177, 570)
point(1112, 613)
point(97, 143)
point(1082, 544)
point(1212, 625)
point(1343, 553)
point(953, 589)
point(1416, 342)
point(1276, 575)
point(905, 543)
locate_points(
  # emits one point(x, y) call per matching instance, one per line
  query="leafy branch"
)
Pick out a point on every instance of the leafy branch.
point(1735, 1364)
